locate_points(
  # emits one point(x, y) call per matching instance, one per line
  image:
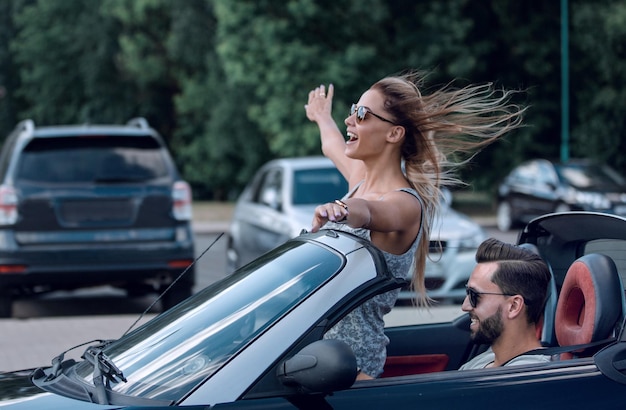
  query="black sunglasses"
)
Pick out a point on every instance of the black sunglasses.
point(474, 295)
point(361, 111)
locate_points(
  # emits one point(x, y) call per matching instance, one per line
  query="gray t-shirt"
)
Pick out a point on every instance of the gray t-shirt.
point(484, 359)
point(363, 328)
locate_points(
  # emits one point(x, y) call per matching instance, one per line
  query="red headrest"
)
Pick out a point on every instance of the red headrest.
point(590, 302)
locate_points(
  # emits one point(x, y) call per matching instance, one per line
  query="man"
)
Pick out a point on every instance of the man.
point(505, 299)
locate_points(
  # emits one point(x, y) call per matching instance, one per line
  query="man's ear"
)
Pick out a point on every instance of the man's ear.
point(396, 134)
point(516, 306)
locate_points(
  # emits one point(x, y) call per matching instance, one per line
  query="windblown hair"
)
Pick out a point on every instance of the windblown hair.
point(520, 272)
point(443, 130)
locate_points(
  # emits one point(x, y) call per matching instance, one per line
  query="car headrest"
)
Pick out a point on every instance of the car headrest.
point(590, 303)
point(545, 327)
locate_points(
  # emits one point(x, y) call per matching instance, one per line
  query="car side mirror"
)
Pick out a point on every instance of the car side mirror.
point(323, 366)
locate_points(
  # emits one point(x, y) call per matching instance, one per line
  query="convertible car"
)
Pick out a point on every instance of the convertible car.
point(254, 340)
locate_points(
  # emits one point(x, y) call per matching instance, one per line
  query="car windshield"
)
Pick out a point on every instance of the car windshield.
point(91, 159)
point(591, 177)
point(165, 358)
point(316, 186)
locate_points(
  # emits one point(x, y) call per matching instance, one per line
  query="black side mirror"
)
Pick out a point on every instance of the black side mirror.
point(323, 366)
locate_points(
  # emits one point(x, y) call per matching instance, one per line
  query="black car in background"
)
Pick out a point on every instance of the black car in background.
point(540, 186)
point(92, 205)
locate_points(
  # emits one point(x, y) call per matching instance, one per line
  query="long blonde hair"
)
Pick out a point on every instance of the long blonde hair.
point(443, 130)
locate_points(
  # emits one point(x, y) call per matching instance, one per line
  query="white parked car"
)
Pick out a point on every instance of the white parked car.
point(278, 204)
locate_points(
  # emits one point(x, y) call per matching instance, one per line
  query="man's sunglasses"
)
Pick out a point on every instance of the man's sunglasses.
point(361, 111)
point(474, 296)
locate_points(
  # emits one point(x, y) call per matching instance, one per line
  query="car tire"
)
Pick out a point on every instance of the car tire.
point(504, 217)
point(6, 303)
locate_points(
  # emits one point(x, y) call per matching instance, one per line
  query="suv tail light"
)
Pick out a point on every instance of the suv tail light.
point(181, 195)
point(8, 205)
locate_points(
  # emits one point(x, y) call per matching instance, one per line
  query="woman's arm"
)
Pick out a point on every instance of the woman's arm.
point(319, 110)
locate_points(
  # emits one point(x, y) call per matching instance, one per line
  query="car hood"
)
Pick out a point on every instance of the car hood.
point(301, 217)
point(18, 392)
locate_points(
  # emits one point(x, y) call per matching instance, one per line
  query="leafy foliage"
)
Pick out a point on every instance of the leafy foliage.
point(225, 81)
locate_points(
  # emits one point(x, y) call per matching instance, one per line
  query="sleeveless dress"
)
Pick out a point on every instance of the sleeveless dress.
point(363, 328)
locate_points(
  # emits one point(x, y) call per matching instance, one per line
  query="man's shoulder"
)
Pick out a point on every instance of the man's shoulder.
point(529, 359)
point(480, 361)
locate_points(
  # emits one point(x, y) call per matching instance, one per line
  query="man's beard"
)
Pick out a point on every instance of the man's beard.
point(489, 329)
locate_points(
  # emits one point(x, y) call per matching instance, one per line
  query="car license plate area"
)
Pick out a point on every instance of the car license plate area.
point(85, 213)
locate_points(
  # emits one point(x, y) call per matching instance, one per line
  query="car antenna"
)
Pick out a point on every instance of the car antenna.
point(173, 283)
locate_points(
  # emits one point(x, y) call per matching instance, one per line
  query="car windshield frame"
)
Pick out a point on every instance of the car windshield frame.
point(169, 356)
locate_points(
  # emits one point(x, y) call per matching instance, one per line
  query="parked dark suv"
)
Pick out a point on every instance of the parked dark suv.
point(539, 187)
point(92, 205)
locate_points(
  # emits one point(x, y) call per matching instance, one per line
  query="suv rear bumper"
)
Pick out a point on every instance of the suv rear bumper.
point(71, 266)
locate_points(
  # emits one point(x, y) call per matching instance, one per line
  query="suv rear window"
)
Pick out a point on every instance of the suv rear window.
point(91, 159)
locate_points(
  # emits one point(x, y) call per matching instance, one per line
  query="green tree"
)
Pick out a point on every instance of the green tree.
point(144, 58)
point(217, 146)
point(9, 81)
point(598, 81)
point(65, 51)
point(225, 81)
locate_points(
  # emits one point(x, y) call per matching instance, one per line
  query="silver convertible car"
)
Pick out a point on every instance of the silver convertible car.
point(254, 340)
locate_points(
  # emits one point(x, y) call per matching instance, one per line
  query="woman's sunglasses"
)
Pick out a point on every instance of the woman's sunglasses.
point(361, 111)
point(474, 296)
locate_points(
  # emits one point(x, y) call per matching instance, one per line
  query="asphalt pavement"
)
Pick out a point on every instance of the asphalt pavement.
point(33, 342)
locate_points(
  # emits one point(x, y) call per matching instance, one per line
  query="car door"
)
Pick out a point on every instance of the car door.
point(261, 219)
point(574, 385)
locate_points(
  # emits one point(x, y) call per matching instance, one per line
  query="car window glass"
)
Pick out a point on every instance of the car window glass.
point(193, 340)
point(270, 189)
point(591, 176)
point(91, 159)
point(525, 173)
point(316, 186)
point(545, 173)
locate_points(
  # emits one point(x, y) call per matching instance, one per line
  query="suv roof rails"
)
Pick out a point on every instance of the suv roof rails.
point(27, 125)
point(138, 122)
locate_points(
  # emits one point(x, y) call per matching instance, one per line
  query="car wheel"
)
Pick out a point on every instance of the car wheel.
point(504, 217)
point(6, 303)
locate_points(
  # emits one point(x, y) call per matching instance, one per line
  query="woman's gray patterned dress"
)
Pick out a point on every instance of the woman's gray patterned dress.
point(363, 328)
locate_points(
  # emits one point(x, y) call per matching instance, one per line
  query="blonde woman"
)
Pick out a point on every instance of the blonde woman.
point(396, 159)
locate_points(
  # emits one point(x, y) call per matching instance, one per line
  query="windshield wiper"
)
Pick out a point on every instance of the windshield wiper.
point(59, 362)
point(103, 367)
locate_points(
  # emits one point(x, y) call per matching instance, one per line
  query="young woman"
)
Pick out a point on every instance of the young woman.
point(396, 160)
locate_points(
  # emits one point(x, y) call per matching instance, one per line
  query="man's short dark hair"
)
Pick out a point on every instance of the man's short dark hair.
point(520, 272)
